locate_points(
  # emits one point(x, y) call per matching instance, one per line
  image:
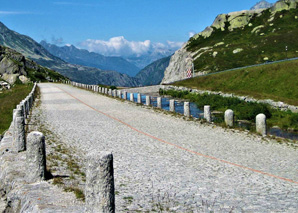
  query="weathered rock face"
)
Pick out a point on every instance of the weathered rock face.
point(11, 64)
point(179, 63)
point(284, 5)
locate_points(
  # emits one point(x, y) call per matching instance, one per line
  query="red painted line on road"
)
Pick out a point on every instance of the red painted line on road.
point(180, 147)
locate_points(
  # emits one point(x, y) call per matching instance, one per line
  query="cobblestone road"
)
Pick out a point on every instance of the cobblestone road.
point(165, 163)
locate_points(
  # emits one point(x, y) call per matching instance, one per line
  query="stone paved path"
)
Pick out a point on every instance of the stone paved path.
point(166, 163)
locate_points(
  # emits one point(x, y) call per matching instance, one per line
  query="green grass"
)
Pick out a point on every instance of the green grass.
point(78, 192)
point(242, 110)
point(255, 47)
point(43, 74)
point(9, 99)
point(274, 81)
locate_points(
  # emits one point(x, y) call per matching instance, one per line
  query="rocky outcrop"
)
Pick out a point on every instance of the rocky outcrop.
point(14, 66)
point(284, 5)
point(179, 63)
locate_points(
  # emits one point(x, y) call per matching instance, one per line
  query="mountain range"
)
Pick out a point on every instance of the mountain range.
point(73, 55)
point(76, 64)
point(33, 50)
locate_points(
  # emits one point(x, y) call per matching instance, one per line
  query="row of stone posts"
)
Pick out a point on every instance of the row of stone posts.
point(228, 116)
point(99, 188)
point(261, 126)
point(62, 81)
point(18, 121)
point(33, 144)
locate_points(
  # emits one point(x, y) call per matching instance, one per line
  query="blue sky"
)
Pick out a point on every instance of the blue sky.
point(134, 22)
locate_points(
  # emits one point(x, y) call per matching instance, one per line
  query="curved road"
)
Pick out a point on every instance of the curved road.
point(165, 162)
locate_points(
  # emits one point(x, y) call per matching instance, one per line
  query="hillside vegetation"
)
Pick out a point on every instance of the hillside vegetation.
point(274, 81)
point(15, 67)
point(8, 101)
point(264, 38)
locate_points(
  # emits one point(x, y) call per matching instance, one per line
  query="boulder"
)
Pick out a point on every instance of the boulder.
point(10, 78)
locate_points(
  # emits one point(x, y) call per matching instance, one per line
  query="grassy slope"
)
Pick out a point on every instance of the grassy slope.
point(275, 81)
point(282, 32)
point(8, 101)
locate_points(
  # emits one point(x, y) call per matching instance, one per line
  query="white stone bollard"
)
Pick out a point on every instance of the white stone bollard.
point(139, 101)
point(148, 100)
point(100, 188)
point(261, 126)
point(110, 92)
point(131, 97)
point(158, 102)
point(36, 157)
point(172, 105)
point(19, 128)
point(186, 109)
point(125, 95)
point(229, 117)
point(207, 113)
point(114, 92)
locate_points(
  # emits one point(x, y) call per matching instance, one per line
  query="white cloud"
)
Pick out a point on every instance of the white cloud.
point(57, 41)
point(72, 3)
point(119, 46)
point(191, 34)
point(13, 12)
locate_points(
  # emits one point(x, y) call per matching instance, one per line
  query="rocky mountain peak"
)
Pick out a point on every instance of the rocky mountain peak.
point(262, 5)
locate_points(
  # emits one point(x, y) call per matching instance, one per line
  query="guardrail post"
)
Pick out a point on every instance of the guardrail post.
point(124, 95)
point(100, 189)
point(207, 113)
point(131, 97)
point(148, 100)
point(229, 117)
point(261, 126)
point(186, 109)
point(36, 157)
point(158, 102)
point(19, 129)
point(139, 101)
point(172, 105)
